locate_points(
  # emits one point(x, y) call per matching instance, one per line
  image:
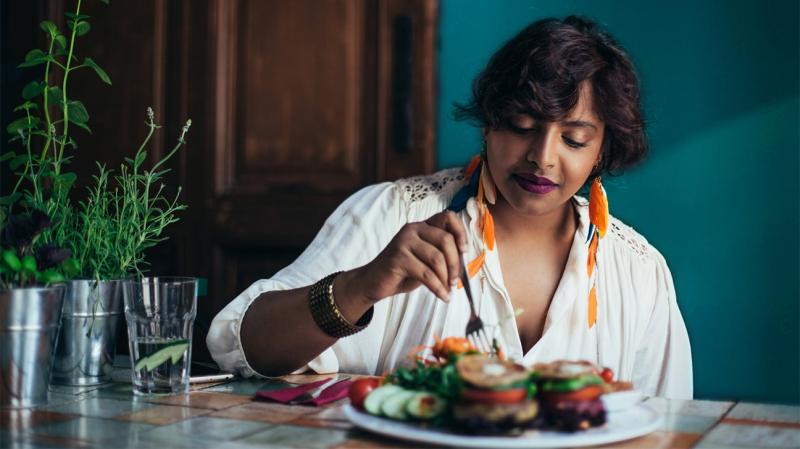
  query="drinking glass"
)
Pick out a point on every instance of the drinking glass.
point(160, 313)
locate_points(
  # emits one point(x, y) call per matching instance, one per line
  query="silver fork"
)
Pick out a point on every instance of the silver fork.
point(475, 332)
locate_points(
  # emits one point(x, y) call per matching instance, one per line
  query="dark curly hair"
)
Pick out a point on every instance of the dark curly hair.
point(539, 72)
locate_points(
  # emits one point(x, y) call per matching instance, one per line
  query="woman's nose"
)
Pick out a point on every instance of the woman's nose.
point(543, 150)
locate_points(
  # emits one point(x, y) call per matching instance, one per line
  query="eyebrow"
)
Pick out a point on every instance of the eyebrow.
point(580, 123)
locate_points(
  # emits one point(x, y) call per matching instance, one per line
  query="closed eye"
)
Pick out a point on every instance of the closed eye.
point(573, 143)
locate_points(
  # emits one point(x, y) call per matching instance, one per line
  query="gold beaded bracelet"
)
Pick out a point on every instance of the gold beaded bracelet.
point(327, 315)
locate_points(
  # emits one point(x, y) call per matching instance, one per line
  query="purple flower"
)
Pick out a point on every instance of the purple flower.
point(20, 230)
point(50, 255)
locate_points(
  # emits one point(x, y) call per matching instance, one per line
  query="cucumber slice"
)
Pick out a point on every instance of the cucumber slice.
point(376, 397)
point(178, 353)
point(394, 406)
point(425, 406)
point(173, 352)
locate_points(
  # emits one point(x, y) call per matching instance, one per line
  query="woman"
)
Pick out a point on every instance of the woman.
point(553, 276)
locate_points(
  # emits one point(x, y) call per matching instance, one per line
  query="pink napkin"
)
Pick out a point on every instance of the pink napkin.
point(333, 393)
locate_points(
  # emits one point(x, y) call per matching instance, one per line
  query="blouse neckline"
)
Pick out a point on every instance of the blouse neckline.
point(574, 283)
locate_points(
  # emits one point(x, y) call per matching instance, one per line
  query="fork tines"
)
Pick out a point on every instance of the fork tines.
point(478, 336)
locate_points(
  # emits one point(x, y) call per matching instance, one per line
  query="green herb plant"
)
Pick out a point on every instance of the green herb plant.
point(123, 213)
point(44, 129)
point(20, 264)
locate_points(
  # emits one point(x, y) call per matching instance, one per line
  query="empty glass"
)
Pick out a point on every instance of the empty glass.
point(160, 312)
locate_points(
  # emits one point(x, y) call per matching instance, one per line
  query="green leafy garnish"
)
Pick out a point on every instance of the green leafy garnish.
point(442, 380)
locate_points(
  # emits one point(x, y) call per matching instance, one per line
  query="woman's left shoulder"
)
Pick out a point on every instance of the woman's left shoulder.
point(629, 242)
point(633, 264)
point(629, 251)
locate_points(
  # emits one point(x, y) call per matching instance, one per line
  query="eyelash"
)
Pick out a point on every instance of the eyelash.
point(567, 140)
point(573, 143)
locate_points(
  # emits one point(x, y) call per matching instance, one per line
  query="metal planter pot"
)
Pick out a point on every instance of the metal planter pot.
point(87, 344)
point(29, 322)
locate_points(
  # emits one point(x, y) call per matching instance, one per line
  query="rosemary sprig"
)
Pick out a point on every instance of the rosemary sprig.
point(118, 224)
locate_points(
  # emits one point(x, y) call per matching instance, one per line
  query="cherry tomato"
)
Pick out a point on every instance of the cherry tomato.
point(588, 393)
point(452, 345)
point(361, 388)
point(607, 375)
point(511, 396)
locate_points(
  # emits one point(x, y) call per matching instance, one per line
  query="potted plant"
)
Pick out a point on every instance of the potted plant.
point(31, 295)
point(123, 215)
point(108, 230)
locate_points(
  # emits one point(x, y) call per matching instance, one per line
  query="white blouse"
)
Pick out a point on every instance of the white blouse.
point(639, 333)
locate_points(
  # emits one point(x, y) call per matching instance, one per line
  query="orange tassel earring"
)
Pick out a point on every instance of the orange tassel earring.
point(487, 193)
point(480, 186)
point(487, 183)
point(598, 217)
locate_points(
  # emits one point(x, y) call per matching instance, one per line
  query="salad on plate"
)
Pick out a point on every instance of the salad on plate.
point(459, 389)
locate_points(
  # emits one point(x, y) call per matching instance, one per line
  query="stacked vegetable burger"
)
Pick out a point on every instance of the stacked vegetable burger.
point(569, 394)
point(497, 396)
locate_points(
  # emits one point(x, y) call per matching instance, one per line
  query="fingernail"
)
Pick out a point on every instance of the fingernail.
point(463, 247)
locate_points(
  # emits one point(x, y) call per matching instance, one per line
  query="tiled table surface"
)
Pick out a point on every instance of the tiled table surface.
point(225, 416)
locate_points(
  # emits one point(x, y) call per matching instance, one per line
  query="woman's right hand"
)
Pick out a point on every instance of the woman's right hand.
point(424, 253)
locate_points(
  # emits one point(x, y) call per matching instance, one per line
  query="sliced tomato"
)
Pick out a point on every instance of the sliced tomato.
point(360, 389)
point(588, 393)
point(510, 396)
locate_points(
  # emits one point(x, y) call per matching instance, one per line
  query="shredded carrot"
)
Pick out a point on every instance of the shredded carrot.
point(414, 352)
point(592, 306)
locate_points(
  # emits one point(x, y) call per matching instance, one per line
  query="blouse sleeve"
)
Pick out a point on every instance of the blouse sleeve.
point(663, 363)
point(352, 236)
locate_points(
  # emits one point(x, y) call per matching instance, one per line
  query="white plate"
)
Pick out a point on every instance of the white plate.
point(622, 425)
point(621, 400)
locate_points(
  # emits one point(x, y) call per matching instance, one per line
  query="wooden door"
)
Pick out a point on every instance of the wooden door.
point(295, 105)
point(306, 101)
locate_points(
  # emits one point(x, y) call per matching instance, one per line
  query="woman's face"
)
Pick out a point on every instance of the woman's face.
point(539, 166)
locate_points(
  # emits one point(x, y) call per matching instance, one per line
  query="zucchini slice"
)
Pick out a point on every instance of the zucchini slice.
point(376, 397)
point(394, 406)
point(425, 405)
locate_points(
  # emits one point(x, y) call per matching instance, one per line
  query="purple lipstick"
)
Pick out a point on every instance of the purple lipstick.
point(535, 184)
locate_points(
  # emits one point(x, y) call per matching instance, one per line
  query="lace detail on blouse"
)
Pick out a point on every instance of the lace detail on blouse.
point(633, 239)
point(418, 188)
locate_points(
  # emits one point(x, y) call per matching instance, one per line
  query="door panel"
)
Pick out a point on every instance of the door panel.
point(305, 100)
point(295, 105)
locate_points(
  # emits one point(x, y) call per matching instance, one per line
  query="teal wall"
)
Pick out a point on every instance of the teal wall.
point(719, 195)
